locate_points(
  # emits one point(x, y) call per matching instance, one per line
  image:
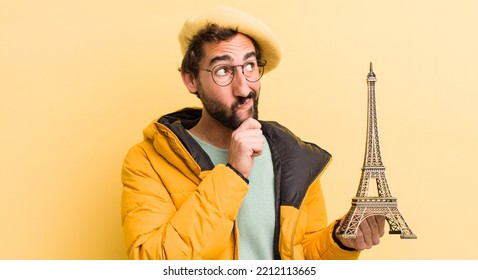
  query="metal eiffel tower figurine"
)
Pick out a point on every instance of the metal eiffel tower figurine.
point(364, 206)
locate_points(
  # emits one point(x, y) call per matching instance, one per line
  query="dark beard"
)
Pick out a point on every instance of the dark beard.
point(229, 117)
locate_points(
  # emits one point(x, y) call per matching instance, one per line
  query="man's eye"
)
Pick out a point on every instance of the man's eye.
point(249, 67)
point(221, 71)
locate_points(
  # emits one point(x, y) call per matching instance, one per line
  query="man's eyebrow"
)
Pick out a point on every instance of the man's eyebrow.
point(249, 55)
point(227, 57)
point(220, 58)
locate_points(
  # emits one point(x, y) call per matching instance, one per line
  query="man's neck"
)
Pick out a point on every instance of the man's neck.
point(211, 131)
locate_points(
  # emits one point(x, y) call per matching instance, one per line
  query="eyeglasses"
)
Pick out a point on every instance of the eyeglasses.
point(223, 74)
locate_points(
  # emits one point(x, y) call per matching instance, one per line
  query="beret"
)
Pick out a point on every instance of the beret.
point(227, 17)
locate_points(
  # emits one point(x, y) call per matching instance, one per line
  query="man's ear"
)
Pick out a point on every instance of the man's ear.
point(190, 82)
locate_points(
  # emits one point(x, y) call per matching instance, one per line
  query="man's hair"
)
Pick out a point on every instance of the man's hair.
point(211, 33)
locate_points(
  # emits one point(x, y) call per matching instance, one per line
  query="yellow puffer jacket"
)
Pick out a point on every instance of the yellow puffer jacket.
point(177, 205)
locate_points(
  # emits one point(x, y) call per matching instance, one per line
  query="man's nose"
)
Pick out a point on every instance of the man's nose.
point(240, 84)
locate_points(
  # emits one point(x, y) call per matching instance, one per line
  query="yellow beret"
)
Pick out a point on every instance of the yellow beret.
point(237, 20)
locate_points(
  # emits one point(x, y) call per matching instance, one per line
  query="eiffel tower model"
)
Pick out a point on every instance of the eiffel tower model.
point(364, 206)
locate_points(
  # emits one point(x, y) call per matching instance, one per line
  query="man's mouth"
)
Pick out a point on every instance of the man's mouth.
point(242, 100)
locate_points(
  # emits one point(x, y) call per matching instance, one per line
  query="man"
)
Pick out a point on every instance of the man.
point(217, 183)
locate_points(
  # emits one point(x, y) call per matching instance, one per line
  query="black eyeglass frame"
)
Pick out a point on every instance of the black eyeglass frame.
point(260, 65)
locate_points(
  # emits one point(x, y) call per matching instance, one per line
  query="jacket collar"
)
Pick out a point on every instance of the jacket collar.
point(180, 121)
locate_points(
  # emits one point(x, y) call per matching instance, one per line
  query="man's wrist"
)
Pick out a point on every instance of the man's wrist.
point(237, 172)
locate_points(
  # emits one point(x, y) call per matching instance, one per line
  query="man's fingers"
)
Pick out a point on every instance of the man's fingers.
point(376, 224)
point(381, 225)
point(374, 231)
point(249, 136)
point(250, 123)
point(366, 230)
point(247, 142)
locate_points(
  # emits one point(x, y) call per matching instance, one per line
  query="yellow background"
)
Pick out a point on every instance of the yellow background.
point(79, 80)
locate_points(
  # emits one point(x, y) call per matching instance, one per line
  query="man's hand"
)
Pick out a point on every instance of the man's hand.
point(369, 232)
point(246, 143)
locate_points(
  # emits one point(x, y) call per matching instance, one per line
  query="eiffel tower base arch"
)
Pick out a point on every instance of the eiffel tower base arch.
point(364, 207)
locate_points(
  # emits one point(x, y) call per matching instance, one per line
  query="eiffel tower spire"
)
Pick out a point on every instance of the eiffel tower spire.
point(384, 204)
point(372, 151)
point(372, 166)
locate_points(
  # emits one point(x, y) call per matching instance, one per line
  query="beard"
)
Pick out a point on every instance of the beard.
point(229, 117)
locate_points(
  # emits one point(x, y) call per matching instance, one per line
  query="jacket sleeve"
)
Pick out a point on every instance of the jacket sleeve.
point(153, 226)
point(318, 242)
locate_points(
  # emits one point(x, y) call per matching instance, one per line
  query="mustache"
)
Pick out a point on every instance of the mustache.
point(242, 99)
